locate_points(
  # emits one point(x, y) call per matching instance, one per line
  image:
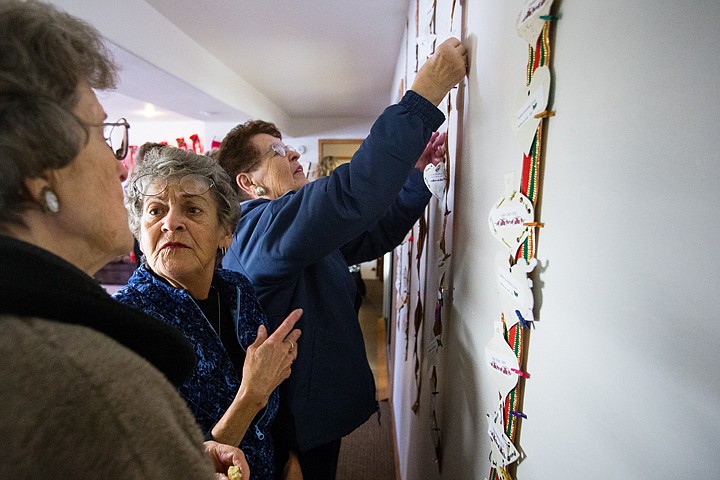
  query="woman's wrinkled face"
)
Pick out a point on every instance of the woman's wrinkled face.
point(180, 235)
point(276, 173)
point(90, 193)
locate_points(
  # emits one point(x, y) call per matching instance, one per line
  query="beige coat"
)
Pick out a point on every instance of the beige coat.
point(76, 404)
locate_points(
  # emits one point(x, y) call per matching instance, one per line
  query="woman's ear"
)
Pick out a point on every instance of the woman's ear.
point(226, 240)
point(35, 185)
point(246, 183)
point(41, 190)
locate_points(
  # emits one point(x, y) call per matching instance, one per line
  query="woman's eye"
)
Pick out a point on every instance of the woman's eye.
point(194, 210)
point(154, 211)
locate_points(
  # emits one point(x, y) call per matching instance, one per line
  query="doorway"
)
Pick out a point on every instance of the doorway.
point(334, 152)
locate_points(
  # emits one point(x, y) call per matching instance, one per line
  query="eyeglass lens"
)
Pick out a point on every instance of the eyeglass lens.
point(192, 184)
point(281, 149)
point(116, 135)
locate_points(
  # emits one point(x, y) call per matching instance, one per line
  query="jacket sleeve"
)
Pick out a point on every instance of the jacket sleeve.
point(301, 227)
point(390, 230)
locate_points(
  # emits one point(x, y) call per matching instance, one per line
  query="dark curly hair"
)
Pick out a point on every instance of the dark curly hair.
point(238, 154)
point(46, 55)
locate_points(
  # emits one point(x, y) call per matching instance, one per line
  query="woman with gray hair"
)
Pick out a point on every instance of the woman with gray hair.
point(88, 385)
point(182, 209)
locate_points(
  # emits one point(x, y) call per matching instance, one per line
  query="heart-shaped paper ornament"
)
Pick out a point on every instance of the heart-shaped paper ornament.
point(402, 275)
point(508, 217)
point(530, 101)
point(435, 178)
point(529, 24)
point(502, 450)
point(514, 288)
point(502, 362)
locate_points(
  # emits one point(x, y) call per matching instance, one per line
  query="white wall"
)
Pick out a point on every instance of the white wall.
point(623, 362)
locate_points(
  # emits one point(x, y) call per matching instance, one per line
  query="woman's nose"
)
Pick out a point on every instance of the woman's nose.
point(293, 155)
point(173, 220)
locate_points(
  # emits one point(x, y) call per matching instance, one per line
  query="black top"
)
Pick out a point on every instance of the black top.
point(221, 321)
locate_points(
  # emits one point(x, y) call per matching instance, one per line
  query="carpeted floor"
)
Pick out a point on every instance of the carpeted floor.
point(367, 453)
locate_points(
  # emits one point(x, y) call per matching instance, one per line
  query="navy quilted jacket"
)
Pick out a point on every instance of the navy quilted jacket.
point(214, 383)
point(296, 251)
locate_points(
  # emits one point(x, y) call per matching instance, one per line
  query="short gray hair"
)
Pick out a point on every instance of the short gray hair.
point(46, 54)
point(175, 162)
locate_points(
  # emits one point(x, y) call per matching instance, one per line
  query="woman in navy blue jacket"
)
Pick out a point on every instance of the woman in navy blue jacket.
point(296, 239)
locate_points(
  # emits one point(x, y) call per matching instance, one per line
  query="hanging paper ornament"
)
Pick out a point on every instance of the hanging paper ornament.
point(502, 450)
point(529, 24)
point(509, 216)
point(215, 143)
point(435, 177)
point(514, 289)
point(502, 362)
point(435, 433)
point(529, 102)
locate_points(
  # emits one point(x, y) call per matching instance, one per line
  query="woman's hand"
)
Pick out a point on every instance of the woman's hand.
point(224, 456)
point(442, 71)
point(267, 364)
point(434, 151)
point(269, 359)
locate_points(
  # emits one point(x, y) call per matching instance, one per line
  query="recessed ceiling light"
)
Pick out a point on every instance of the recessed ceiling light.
point(149, 110)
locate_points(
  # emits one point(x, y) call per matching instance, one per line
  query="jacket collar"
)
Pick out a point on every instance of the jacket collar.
point(34, 282)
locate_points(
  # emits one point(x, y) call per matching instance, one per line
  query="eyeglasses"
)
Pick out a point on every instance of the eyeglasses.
point(280, 149)
point(116, 134)
point(193, 184)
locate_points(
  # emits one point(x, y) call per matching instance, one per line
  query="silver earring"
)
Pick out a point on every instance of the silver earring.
point(49, 200)
point(260, 191)
point(223, 251)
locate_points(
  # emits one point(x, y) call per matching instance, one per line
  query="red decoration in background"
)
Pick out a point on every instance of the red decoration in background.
point(196, 144)
point(181, 143)
point(129, 160)
point(215, 144)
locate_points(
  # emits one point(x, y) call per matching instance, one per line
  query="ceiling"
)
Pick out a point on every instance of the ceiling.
point(316, 59)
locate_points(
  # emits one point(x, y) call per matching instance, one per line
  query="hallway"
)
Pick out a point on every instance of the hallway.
point(368, 452)
point(373, 328)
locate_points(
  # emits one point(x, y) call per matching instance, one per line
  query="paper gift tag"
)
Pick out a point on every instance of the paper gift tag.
point(530, 101)
point(514, 288)
point(508, 216)
point(435, 179)
point(529, 24)
point(502, 450)
point(502, 362)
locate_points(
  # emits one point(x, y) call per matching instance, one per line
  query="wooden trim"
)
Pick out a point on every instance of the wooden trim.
point(335, 141)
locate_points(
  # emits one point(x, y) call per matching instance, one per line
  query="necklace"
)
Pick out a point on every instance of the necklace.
point(218, 330)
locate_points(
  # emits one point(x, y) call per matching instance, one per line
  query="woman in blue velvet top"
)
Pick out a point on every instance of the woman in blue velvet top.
point(182, 209)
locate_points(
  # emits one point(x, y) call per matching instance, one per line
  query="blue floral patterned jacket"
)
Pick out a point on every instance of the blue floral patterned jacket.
point(214, 383)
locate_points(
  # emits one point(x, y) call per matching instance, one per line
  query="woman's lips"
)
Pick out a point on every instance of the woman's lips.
point(173, 245)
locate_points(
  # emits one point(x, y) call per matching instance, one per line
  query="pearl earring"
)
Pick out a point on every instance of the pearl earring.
point(260, 191)
point(49, 200)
